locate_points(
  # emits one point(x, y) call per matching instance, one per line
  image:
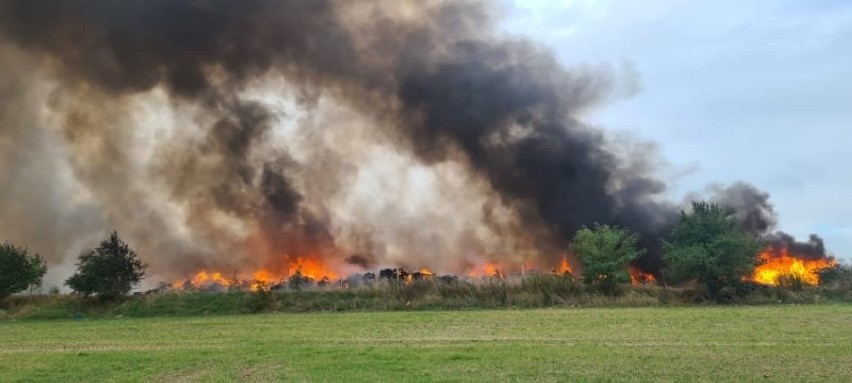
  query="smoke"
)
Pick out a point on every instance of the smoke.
point(52, 217)
point(757, 217)
point(754, 212)
point(813, 249)
point(243, 134)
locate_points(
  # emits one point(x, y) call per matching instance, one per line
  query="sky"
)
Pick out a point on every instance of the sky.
point(759, 91)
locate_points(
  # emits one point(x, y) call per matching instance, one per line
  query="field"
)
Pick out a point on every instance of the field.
point(773, 343)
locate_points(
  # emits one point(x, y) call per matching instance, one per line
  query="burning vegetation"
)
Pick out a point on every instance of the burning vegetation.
point(778, 266)
point(639, 278)
point(308, 269)
point(775, 267)
point(605, 252)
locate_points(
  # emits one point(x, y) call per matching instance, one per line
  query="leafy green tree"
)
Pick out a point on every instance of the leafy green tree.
point(19, 270)
point(707, 246)
point(111, 270)
point(605, 251)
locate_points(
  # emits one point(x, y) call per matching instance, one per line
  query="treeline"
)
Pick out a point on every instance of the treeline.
point(108, 271)
point(705, 247)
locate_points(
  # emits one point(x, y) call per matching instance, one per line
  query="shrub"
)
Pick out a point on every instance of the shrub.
point(605, 252)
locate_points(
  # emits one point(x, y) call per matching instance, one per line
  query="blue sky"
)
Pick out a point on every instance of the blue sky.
point(758, 90)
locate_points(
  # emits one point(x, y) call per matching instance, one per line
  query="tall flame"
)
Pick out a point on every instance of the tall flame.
point(564, 267)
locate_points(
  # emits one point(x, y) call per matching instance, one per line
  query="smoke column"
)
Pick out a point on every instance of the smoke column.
point(242, 134)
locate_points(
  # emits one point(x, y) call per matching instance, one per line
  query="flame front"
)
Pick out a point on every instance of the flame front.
point(777, 265)
point(308, 267)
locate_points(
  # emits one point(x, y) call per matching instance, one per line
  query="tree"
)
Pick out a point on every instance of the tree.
point(297, 280)
point(111, 270)
point(605, 251)
point(19, 270)
point(707, 246)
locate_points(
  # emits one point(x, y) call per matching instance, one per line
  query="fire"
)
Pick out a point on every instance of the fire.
point(489, 269)
point(564, 267)
point(204, 278)
point(313, 268)
point(499, 270)
point(264, 276)
point(776, 265)
point(423, 273)
point(263, 279)
point(309, 267)
point(638, 277)
point(492, 269)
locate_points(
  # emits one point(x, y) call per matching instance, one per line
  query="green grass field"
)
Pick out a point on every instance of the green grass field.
point(772, 343)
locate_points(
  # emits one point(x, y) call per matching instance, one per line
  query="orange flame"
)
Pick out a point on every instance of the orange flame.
point(427, 272)
point(309, 267)
point(263, 279)
point(264, 276)
point(564, 267)
point(638, 277)
point(204, 278)
point(493, 270)
point(313, 268)
point(776, 265)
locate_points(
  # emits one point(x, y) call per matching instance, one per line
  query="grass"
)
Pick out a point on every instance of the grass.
point(772, 343)
point(543, 291)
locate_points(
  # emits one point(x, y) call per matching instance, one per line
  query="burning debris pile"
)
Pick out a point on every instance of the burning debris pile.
point(325, 137)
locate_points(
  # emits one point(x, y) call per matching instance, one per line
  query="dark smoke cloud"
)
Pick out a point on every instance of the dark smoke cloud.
point(511, 108)
point(755, 213)
point(813, 248)
point(757, 216)
point(135, 45)
point(433, 78)
point(365, 261)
